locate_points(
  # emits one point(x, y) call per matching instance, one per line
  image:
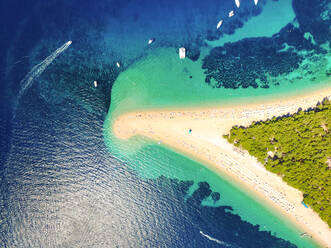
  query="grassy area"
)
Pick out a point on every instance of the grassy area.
point(297, 148)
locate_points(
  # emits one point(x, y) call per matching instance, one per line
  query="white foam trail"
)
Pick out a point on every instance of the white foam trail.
point(38, 69)
point(215, 240)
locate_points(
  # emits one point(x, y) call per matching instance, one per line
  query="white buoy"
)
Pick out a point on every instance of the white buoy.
point(150, 41)
point(219, 24)
point(95, 84)
point(231, 13)
point(118, 64)
point(237, 3)
point(256, 1)
point(182, 52)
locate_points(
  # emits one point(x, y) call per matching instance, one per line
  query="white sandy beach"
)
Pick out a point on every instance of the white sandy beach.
point(206, 144)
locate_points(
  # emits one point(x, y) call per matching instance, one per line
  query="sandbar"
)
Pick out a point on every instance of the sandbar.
point(198, 132)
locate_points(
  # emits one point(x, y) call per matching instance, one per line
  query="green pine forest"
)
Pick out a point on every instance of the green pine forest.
point(298, 148)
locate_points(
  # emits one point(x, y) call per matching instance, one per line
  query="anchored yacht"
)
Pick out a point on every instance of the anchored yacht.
point(182, 52)
point(219, 24)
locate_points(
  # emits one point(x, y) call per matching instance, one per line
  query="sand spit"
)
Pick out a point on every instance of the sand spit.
point(198, 133)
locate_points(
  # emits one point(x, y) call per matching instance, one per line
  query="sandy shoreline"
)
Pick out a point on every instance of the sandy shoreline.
point(205, 144)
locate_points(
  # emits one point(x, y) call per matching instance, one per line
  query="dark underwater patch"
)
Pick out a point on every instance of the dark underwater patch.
point(219, 222)
point(314, 17)
point(246, 63)
point(249, 62)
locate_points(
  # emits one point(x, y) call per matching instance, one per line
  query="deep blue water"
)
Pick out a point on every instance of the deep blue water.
point(59, 184)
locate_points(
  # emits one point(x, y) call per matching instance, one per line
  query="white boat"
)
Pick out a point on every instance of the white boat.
point(305, 235)
point(237, 3)
point(118, 64)
point(219, 24)
point(231, 13)
point(95, 84)
point(150, 41)
point(182, 52)
point(256, 1)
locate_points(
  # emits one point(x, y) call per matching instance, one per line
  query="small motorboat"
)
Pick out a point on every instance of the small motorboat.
point(231, 13)
point(150, 41)
point(118, 64)
point(182, 53)
point(95, 84)
point(256, 1)
point(237, 3)
point(302, 235)
point(219, 24)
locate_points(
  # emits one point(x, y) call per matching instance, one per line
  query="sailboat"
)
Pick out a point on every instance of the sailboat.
point(237, 3)
point(256, 1)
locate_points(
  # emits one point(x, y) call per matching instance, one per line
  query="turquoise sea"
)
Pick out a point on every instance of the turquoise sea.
point(66, 181)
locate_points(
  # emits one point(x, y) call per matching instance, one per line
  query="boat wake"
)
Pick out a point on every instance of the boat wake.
point(216, 240)
point(35, 72)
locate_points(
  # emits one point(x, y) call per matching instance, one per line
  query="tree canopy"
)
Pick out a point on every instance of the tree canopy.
point(297, 148)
